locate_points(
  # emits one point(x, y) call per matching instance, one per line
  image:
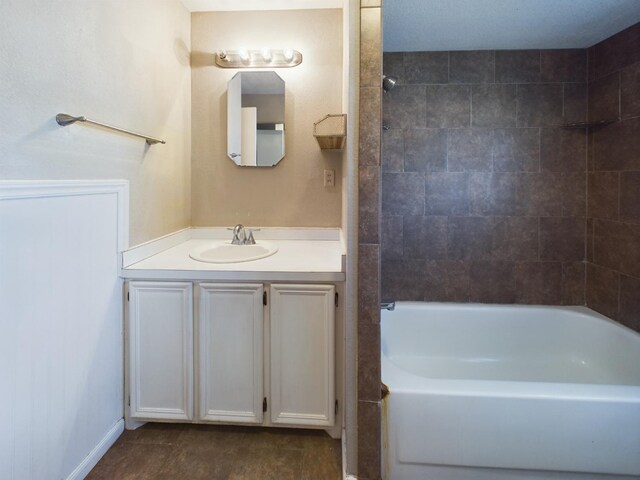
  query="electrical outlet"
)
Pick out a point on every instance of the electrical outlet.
point(329, 178)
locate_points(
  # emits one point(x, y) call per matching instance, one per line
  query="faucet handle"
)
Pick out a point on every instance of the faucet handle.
point(250, 239)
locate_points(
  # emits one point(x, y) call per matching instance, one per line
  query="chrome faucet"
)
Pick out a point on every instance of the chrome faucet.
point(240, 236)
point(389, 305)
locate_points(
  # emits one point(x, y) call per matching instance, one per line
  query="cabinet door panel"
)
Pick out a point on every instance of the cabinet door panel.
point(161, 350)
point(230, 352)
point(302, 354)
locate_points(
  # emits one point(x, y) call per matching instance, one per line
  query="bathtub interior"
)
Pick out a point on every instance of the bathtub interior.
point(482, 392)
point(510, 343)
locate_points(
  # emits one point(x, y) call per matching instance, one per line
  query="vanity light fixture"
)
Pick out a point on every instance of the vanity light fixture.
point(265, 58)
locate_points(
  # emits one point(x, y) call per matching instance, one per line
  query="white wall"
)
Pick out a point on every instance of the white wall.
point(120, 62)
point(61, 353)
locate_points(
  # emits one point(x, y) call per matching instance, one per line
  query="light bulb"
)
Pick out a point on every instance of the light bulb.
point(266, 54)
point(244, 54)
point(222, 54)
point(288, 54)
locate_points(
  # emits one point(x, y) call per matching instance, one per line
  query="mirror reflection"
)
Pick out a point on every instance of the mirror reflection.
point(255, 119)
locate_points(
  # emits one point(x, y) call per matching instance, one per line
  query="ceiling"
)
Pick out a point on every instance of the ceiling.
point(227, 5)
point(418, 25)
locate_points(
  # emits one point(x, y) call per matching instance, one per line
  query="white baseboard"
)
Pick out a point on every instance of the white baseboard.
point(98, 452)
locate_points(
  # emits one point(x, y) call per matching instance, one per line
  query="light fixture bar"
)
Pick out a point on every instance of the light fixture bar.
point(265, 58)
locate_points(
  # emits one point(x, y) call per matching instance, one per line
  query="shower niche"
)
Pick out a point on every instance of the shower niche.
point(255, 119)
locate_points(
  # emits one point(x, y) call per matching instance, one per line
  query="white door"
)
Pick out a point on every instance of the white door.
point(230, 331)
point(302, 354)
point(161, 350)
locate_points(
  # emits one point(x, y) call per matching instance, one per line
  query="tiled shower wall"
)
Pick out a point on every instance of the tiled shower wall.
point(483, 194)
point(613, 225)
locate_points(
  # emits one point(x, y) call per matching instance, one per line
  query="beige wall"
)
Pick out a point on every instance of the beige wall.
point(291, 193)
point(125, 63)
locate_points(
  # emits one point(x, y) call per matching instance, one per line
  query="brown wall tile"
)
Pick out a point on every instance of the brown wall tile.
point(515, 238)
point(604, 98)
point(368, 362)
point(470, 238)
point(477, 236)
point(494, 194)
point(493, 282)
point(602, 290)
point(617, 146)
point(403, 112)
point(469, 150)
point(516, 150)
point(446, 193)
point(517, 66)
point(448, 106)
point(616, 246)
point(370, 47)
point(369, 435)
point(425, 150)
point(630, 197)
point(603, 195)
point(370, 108)
point(574, 194)
point(540, 105)
point(403, 280)
point(630, 91)
point(474, 66)
point(563, 150)
point(568, 65)
point(369, 204)
point(539, 283)
point(446, 281)
point(575, 103)
point(393, 65)
point(391, 237)
point(426, 67)
point(392, 150)
point(541, 194)
point(493, 106)
point(402, 194)
point(573, 283)
point(405, 107)
point(369, 284)
point(629, 308)
point(614, 53)
point(425, 237)
point(590, 240)
point(562, 239)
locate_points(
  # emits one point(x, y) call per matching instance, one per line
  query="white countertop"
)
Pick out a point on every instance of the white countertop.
point(302, 259)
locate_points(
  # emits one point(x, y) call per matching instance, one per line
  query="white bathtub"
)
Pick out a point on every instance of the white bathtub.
point(509, 392)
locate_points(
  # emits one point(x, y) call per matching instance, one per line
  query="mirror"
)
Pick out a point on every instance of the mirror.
point(255, 119)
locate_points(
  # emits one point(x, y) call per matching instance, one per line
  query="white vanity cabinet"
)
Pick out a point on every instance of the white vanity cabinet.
point(160, 350)
point(302, 354)
point(252, 348)
point(230, 352)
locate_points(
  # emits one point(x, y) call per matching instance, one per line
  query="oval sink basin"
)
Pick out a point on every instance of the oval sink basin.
point(225, 252)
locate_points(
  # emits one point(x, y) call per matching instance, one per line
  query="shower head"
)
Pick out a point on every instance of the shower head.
point(388, 83)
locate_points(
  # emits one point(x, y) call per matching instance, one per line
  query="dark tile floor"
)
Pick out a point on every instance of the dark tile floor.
point(159, 451)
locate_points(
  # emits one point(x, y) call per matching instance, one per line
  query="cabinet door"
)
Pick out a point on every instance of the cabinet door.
point(302, 354)
point(230, 330)
point(161, 350)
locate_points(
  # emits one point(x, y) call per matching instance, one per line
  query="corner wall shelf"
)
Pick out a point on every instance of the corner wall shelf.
point(331, 131)
point(599, 123)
